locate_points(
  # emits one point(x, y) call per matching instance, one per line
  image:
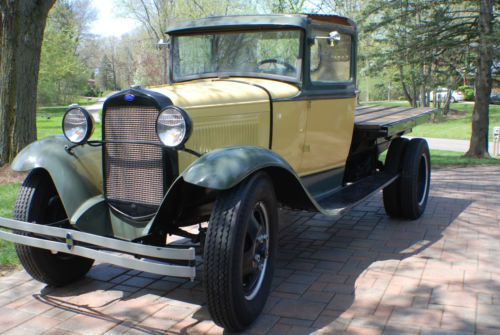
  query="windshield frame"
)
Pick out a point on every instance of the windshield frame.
point(295, 80)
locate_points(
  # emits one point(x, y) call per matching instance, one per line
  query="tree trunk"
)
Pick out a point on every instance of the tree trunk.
point(480, 116)
point(447, 101)
point(21, 35)
point(403, 84)
point(421, 87)
point(8, 46)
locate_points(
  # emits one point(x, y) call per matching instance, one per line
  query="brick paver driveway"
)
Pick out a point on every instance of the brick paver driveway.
point(361, 273)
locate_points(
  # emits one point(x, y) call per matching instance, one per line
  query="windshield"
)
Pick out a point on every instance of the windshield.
point(273, 53)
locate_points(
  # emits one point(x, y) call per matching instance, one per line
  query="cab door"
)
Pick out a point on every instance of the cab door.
point(331, 101)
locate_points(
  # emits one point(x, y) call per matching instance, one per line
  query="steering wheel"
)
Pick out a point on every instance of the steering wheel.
point(286, 66)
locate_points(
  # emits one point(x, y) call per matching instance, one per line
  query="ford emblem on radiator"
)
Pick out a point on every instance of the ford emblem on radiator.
point(129, 97)
point(70, 243)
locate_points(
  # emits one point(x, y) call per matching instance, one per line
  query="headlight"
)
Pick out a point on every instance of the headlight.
point(173, 127)
point(78, 125)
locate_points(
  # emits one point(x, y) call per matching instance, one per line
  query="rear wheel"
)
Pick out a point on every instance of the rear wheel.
point(415, 179)
point(393, 165)
point(39, 202)
point(239, 252)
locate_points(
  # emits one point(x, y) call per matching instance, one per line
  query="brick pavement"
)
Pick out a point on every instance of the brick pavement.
point(362, 273)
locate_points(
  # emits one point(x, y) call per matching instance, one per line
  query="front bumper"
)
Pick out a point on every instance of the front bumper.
point(126, 254)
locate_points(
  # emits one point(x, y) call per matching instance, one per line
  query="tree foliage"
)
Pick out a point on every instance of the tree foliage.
point(433, 43)
point(63, 76)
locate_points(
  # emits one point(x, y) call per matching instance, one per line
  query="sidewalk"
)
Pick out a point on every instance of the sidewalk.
point(361, 273)
point(451, 145)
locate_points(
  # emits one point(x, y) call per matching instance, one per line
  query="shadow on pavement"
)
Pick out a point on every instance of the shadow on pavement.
point(330, 273)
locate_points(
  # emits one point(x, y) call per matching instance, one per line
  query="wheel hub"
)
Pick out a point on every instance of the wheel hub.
point(256, 251)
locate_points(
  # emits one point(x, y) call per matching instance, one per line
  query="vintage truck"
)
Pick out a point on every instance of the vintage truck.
point(259, 113)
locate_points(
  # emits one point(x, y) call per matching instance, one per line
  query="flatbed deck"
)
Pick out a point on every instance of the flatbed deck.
point(390, 120)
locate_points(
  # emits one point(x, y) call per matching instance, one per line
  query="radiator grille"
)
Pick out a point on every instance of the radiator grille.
point(133, 171)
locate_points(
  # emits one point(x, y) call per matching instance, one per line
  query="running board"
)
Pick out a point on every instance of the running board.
point(353, 194)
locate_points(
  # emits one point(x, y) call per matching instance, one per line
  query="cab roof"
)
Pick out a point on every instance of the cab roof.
point(257, 21)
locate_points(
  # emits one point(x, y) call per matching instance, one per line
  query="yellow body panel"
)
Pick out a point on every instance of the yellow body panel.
point(226, 112)
point(312, 136)
point(329, 133)
point(290, 120)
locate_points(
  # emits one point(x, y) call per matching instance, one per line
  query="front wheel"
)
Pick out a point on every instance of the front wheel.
point(38, 201)
point(239, 253)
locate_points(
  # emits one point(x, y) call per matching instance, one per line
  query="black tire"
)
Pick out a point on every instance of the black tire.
point(38, 201)
point(235, 300)
point(394, 164)
point(415, 179)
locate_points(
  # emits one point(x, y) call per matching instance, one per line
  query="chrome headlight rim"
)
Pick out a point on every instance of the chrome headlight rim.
point(187, 123)
point(89, 120)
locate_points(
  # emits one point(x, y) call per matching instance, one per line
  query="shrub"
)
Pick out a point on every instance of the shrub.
point(468, 92)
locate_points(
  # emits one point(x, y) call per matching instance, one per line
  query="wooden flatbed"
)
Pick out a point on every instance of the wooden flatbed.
point(386, 121)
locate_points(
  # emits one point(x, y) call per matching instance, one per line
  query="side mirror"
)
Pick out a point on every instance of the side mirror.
point(164, 44)
point(334, 38)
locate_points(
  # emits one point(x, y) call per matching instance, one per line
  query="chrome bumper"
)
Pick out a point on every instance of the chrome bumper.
point(103, 249)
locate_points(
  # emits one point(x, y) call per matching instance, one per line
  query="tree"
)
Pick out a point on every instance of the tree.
point(63, 75)
point(428, 37)
point(155, 16)
point(480, 116)
point(107, 74)
point(21, 34)
point(285, 6)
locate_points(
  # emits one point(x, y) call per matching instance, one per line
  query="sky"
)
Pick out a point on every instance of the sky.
point(108, 23)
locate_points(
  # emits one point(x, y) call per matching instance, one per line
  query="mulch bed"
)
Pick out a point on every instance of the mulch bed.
point(7, 270)
point(7, 176)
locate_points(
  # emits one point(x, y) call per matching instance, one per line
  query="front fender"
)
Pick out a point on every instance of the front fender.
point(224, 168)
point(77, 177)
point(221, 170)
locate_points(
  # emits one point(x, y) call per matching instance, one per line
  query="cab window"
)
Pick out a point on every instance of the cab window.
point(331, 57)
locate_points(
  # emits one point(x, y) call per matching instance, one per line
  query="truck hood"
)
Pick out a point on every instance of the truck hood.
point(211, 92)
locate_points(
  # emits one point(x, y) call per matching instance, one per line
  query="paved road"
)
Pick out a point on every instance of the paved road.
point(96, 108)
point(362, 273)
point(451, 145)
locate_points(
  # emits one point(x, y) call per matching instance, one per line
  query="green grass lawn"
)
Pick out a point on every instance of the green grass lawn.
point(86, 101)
point(49, 123)
point(8, 194)
point(440, 159)
point(53, 126)
point(455, 126)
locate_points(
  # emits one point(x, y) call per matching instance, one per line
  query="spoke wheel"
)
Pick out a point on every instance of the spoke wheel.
point(239, 252)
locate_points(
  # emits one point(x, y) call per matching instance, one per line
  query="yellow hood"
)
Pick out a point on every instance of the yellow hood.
point(210, 92)
point(226, 112)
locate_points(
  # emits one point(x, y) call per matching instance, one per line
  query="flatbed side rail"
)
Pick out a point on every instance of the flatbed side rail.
point(386, 122)
point(104, 249)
